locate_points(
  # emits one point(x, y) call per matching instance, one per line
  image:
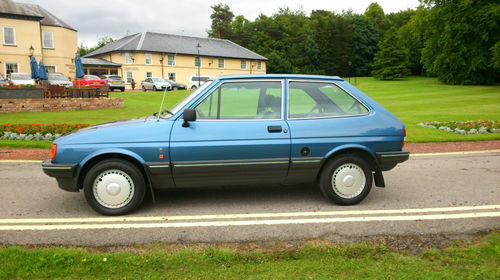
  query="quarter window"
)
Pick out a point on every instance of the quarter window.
point(148, 59)
point(128, 58)
point(242, 101)
point(9, 35)
point(313, 100)
point(48, 39)
point(221, 63)
point(243, 64)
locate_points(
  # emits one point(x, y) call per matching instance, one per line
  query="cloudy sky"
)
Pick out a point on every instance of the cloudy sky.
point(116, 18)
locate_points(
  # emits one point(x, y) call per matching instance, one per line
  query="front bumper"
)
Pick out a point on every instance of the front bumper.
point(388, 160)
point(64, 174)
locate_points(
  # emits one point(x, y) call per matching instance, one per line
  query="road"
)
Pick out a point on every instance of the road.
point(429, 194)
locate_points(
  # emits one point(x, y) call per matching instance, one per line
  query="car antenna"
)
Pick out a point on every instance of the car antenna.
point(161, 106)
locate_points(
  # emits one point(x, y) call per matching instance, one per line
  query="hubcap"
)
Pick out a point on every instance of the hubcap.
point(348, 180)
point(113, 188)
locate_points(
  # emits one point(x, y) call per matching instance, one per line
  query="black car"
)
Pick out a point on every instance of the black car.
point(175, 86)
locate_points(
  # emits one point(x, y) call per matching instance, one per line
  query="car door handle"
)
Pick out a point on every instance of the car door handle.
point(274, 128)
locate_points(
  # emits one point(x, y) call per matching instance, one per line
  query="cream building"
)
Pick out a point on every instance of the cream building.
point(27, 30)
point(174, 57)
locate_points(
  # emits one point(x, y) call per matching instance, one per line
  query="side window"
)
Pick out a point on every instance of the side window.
point(312, 100)
point(242, 101)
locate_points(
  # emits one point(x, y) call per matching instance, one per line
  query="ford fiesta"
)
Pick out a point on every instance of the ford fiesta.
point(237, 130)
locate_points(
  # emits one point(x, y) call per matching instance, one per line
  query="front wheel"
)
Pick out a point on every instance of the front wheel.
point(346, 180)
point(114, 187)
point(154, 88)
point(143, 88)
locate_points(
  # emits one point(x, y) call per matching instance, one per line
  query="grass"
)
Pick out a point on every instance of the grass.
point(412, 100)
point(359, 260)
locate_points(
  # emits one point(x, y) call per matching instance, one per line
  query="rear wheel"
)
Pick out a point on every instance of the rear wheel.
point(346, 180)
point(122, 89)
point(114, 187)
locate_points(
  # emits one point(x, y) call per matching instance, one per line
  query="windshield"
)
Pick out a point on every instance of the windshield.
point(158, 80)
point(190, 97)
point(20, 76)
point(57, 77)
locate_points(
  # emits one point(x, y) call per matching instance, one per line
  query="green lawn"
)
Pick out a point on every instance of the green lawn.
point(413, 100)
point(327, 261)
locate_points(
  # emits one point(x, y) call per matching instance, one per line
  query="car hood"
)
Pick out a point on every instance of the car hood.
point(147, 129)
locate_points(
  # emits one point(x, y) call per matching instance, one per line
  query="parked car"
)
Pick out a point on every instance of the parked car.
point(196, 80)
point(3, 81)
point(114, 82)
point(175, 86)
point(155, 84)
point(20, 79)
point(88, 81)
point(58, 79)
point(237, 130)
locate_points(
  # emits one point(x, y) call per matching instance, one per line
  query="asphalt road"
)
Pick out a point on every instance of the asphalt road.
point(429, 194)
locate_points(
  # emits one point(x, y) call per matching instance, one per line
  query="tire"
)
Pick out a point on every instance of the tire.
point(114, 187)
point(176, 88)
point(143, 88)
point(193, 87)
point(154, 88)
point(122, 89)
point(346, 180)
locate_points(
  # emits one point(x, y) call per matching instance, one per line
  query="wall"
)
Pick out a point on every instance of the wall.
point(65, 47)
point(183, 68)
point(27, 33)
point(58, 104)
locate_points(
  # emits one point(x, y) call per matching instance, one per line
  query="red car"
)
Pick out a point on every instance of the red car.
point(88, 81)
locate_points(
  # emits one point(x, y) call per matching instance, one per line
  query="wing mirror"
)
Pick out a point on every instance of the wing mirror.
point(188, 116)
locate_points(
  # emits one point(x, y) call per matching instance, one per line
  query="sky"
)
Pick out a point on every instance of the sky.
point(116, 18)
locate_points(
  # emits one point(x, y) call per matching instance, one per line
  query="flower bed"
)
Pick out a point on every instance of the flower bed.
point(20, 86)
point(37, 132)
point(465, 127)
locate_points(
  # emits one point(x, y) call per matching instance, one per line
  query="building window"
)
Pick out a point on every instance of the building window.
point(50, 68)
point(129, 77)
point(197, 61)
point(11, 68)
point(221, 63)
point(171, 60)
point(259, 65)
point(243, 64)
point(128, 58)
point(149, 74)
point(171, 76)
point(148, 59)
point(48, 39)
point(9, 36)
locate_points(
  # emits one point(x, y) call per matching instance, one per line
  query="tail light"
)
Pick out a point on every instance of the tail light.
point(404, 139)
point(53, 151)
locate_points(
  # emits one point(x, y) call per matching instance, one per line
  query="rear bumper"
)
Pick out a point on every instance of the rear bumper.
point(388, 160)
point(64, 174)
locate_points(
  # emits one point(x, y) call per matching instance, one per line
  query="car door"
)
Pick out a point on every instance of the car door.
point(239, 138)
point(147, 84)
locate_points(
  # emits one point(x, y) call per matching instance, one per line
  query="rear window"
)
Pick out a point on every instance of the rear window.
point(115, 77)
point(91, 77)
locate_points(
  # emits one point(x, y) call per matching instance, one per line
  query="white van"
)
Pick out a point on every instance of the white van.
point(193, 81)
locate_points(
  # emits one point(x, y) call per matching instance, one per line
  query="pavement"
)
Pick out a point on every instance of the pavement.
point(444, 193)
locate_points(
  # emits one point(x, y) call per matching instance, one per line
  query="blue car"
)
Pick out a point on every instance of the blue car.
point(237, 130)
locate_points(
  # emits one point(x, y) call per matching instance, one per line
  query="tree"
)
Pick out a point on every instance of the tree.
point(365, 40)
point(458, 47)
point(276, 64)
point(376, 15)
point(221, 22)
point(391, 61)
point(101, 42)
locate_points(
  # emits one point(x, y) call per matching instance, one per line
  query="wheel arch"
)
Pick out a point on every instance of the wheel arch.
point(359, 150)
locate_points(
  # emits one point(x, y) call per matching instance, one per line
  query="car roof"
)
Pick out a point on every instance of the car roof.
point(279, 76)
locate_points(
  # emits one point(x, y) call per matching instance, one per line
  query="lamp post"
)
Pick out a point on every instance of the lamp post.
point(199, 62)
point(32, 50)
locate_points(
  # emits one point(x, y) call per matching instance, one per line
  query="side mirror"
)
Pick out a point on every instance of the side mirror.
point(189, 116)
